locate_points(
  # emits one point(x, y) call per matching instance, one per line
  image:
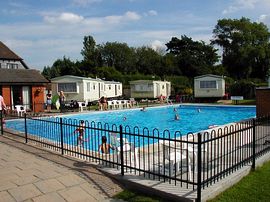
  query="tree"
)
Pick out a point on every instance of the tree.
point(61, 67)
point(245, 47)
point(118, 55)
point(90, 52)
point(148, 61)
point(193, 57)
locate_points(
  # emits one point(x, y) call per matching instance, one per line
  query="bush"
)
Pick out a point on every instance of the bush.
point(243, 88)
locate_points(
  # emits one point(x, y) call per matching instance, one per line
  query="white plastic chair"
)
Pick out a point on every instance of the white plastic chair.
point(110, 104)
point(20, 109)
point(82, 106)
point(175, 157)
point(116, 104)
point(129, 149)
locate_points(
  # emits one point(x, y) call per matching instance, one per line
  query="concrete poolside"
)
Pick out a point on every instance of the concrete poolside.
point(41, 175)
point(152, 186)
point(31, 174)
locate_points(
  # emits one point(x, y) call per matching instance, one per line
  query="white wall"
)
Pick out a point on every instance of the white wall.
point(112, 89)
point(162, 88)
point(209, 92)
point(91, 93)
point(4, 63)
point(150, 89)
point(87, 88)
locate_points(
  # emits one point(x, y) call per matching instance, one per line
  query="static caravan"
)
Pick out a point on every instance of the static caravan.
point(77, 88)
point(149, 88)
point(209, 86)
point(83, 88)
point(112, 89)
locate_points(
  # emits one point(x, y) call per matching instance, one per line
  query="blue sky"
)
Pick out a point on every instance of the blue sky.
point(41, 31)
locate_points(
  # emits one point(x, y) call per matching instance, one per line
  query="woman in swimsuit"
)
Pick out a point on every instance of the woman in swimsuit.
point(105, 147)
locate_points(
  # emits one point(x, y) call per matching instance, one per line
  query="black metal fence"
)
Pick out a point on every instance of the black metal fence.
point(195, 161)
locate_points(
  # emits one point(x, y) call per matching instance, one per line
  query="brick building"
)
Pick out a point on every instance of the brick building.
point(20, 85)
point(262, 101)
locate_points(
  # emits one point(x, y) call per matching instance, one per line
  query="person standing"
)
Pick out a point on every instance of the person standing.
point(80, 130)
point(2, 108)
point(49, 101)
point(104, 148)
point(62, 101)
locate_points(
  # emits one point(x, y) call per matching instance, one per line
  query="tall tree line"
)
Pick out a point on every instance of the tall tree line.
point(245, 54)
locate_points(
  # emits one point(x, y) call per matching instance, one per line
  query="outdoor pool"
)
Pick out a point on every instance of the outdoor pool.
point(193, 118)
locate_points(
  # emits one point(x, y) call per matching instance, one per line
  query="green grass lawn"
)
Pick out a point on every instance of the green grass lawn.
point(130, 196)
point(254, 188)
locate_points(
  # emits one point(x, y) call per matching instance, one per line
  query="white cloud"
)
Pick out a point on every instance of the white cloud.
point(64, 17)
point(152, 12)
point(264, 19)
point(71, 18)
point(245, 5)
point(158, 45)
point(129, 15)
point(85, 2)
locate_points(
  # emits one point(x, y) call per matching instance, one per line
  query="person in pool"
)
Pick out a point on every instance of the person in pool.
point(80, 130)
point(104, 148)
point(143, 109)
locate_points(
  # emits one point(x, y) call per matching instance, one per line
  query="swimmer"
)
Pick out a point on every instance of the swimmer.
point(174, 109)
point(125, 118)
point(198, 110)
point(176, 117)
point(80, 130)
point(143, 109)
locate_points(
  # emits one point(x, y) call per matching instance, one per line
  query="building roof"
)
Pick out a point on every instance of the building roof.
point(146, 81)
point(82, 78)
point(74, 77)
point(209, 75)
point(7, 54)
point(112, 82)
point(21, 76)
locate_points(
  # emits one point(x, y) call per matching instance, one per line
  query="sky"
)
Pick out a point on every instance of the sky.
point(42, 31)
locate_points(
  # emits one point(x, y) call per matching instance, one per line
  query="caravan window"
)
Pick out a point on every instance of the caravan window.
point(88, 86)
point(208, 84)
point(67, 87)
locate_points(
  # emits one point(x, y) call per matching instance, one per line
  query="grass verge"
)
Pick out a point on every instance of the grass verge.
point(253, 187)
point(130, 196)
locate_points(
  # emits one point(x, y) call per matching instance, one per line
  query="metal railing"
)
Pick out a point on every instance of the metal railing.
point(195, 161)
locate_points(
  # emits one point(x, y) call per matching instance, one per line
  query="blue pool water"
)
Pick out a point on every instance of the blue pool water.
point(192, 119)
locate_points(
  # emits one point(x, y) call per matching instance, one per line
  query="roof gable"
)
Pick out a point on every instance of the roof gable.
point(7, 54)
point(209, 75)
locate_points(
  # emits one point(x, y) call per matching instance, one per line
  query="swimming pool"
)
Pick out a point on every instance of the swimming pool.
point(193, 118)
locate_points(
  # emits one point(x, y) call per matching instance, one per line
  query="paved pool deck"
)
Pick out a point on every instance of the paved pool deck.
point(28, 173)
point(31, 174)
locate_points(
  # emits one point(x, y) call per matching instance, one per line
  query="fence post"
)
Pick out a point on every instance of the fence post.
point(25, 128)
point(253, 143)
point(62, 138)
point(199, 165)
point(1, 119)
point(121, 150)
